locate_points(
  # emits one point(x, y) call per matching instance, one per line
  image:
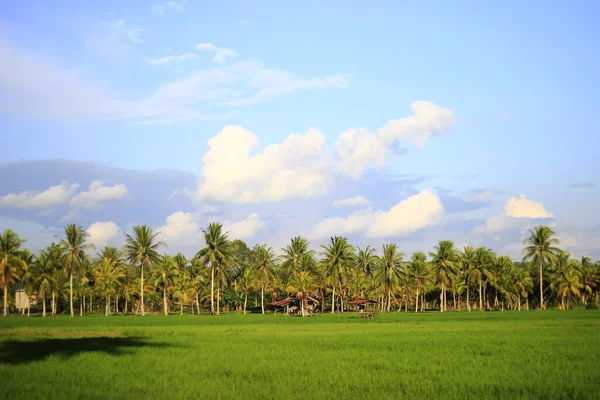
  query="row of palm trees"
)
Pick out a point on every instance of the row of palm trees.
point(225, 274)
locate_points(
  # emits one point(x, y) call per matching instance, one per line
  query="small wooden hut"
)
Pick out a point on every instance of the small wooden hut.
point(292, 305)
point(362, 304)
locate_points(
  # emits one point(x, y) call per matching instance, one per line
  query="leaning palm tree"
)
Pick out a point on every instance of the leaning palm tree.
point(74, 246)
point(418, 273)
point(264, 265)
point(390, 270)
point(217, 254)
point(445, 264)
point(10, 261)
point(338, 255)
point(142, 249)
point(540, 249)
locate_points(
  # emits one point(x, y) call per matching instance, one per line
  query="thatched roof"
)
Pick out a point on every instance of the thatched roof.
point(362, 302)
point(291, 299)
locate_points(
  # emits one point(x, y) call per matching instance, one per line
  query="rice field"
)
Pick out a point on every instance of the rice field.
point(551, 354)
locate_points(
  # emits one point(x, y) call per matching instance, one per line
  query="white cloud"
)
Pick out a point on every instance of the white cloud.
point(521, 207)
point(357, 150)
point(53, 196)
point(412, 214)
point(427, 119)
point(298, 167)
point(221, 53)
point(479, 197)
point(175, 6)
point(168, 59)
point(181, 230)
point(158, 10)
point(519, 212)
point(244, 229)
point(122, 28)
point(351, 202)
point(98, 193)
point(102, 233)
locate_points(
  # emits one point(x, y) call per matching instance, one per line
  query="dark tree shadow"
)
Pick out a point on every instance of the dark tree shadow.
point(21, 352)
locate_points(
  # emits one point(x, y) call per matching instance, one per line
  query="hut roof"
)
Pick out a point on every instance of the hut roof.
point(362, 301)
point(291, 299)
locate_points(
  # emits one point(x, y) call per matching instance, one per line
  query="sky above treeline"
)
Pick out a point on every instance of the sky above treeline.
point(410, 122)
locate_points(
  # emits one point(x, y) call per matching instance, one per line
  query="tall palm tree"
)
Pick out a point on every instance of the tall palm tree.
point(445, 264)
point(165, 274)
point(303, 285)
point(523, 285)
point(107, 272)
point(10, 261)
point(217, 254)
point(43, 273)
point(565, 280)
point(467, 258)
point(246, 281)
point(366, 260)
point(479, 271)
point(390, 269)
point(74, 246)
point(418, 273)
point(25, 276)
point(142, 249)
point(264, 265)
point(337, 256)
point(540, 249)
point(293, 257)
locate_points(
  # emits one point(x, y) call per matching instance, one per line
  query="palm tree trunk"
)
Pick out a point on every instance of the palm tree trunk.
point(541, 283)
point(125, 310)
point(71, 293)
point(245, 300)
point(142, 292)
point(212, 290)
point(116, 304)
point(44, 306)
point(341, 303)
point(5, 297)
point(480, 297)
point(91, 303)
point(165, 300)
point(468, 302)
point(181, 308)
point(53, 304)
point(80, 308)
point(262, 298)
point(218, 297)
point(442, 297)
point(197, 304)
point(519, 300)
point(332, 300)
point(107, 303)
point(417, 301)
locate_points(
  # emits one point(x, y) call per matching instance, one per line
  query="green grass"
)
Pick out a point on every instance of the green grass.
point(552, 354)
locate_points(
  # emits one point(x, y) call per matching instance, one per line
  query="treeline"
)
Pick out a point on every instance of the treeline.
point(229, 276)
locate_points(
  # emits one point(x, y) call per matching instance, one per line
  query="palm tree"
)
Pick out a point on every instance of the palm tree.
point(565, 279)
point(217, 254)
point(25, 277)
point(418, 273)
point(166, 272)
point(302, 284)
point(540, 250)
point(264, 264)
point(74, 245)
point(44, 280)
point(142, 249)
point(479, 271)
point(523, 284)
point(183, 286)
point(390, 270)
point(10, 261)
point(367, 261)
point(246, 281)
point(107, 272)
point(445, 264)
point(294, 255)
point(338, 255)
point(467, 259)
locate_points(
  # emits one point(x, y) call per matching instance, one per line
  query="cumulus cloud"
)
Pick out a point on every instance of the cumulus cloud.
point(221, 53)
point(351, 202)
point(410, 215)
point(298, 167)
point(53, 196)
point(519, 212)
point(96, 194)
point(169, 59)
point(479, 197)
point(427, 120)
point(244, 229)
point(102, 233)
point(181, 229)
point(357, 150)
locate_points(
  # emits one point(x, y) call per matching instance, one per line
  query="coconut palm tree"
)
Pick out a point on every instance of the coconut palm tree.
point(540, 249)
point(107, 272)
point(10, 261)
point(418, 273)
point(74, 246)
point(43, 276)
point(167, 270)
point(294, 255)
point(264, 264)
point(523, 285)
point(302, 285)
point(390, 269)
point(444, 261)
point(217, 254)
point(466, 259)
point(565, 279)
point(141, 248)
point(366, 260)
point(337, 257)
point(183, 288)
point(25, 276)
point(480, 270)
point(246, 282)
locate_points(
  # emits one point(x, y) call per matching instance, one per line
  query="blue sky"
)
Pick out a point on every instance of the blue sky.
point(509, 103)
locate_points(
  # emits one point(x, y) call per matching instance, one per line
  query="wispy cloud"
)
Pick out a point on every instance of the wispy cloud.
point(221, 53)
point(175, 6)
point(122, 28)
point(158, 10)
point(578, 185)
point(168, 59)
